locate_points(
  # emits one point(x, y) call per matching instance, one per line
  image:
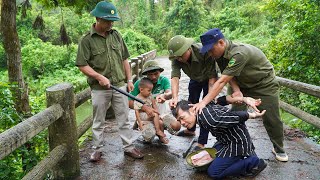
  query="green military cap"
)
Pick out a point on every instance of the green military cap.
point(105, 10)
point(151, 65)
point(178, 45)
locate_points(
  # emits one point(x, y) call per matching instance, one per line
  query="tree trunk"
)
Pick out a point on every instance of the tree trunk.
point(12, 48)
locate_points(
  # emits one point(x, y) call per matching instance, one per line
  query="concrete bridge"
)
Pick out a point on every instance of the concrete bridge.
point(166, 161)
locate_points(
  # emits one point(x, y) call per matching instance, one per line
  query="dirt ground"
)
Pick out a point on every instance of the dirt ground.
point(166, 161)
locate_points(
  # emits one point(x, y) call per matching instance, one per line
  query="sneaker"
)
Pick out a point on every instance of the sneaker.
point(256, 170)
point(283, 157)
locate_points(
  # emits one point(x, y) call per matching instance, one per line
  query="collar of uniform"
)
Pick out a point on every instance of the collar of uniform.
point(93, 30)
point(228, 46)
point(195, 49)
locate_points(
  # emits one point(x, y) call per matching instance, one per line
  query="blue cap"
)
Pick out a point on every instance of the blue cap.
point(209, 38)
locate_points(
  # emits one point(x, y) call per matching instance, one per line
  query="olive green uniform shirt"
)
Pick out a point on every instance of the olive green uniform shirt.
point(252, 70)
point(105, 55)
point(201, 68)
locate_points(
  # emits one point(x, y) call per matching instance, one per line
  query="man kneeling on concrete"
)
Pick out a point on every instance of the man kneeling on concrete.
point(235, 152)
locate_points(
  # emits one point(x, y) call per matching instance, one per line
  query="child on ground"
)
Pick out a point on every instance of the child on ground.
point(235, 152)
point(148, 124)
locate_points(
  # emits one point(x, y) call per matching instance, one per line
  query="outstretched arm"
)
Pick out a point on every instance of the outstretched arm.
point(175, 90)
point(214, 91)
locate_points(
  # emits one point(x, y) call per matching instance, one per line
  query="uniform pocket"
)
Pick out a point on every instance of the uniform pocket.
point(99, 59)
point(117, 50)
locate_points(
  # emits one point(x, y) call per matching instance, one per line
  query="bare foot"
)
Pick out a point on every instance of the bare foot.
point(161, 134)
point(164, 140)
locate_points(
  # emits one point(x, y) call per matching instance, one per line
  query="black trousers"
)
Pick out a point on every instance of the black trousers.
point(195, 88)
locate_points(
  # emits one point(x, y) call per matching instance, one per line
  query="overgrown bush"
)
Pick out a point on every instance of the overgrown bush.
point(137, 43)
point(40, 57)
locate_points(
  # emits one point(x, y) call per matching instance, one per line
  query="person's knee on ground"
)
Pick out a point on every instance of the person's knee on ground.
point(175, 125)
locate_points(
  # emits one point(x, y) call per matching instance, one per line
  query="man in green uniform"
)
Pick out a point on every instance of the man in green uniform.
point(185, 54)
point(255, 76)
point(161, 92)
point(103, 57)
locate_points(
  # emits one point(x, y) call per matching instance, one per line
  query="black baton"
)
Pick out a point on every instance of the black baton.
point(127, 94)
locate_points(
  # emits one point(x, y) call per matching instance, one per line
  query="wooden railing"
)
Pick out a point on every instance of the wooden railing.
point(305, 88)
point(59, 118)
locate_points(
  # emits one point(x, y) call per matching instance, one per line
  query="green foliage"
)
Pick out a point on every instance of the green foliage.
point(137, 43)
point(8, 113)
point(185, 18)
point(3, 61)
point(40, 57)
point(19, 162)
point(311, 131)
point(296, 47)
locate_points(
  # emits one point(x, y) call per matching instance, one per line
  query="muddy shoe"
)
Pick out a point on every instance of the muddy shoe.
point(95, 156)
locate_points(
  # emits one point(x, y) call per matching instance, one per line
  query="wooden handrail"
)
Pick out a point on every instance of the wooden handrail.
point(53, 158)
point(300, 86)
point(309, 118)
point(16, 136)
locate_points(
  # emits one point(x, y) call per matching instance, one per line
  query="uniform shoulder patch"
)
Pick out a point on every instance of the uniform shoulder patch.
point(231, 62)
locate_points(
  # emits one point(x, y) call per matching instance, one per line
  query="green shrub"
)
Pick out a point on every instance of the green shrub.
point(137, 43)
point(40, 57)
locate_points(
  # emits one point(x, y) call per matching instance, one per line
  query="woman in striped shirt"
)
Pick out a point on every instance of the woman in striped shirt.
point(235, 151)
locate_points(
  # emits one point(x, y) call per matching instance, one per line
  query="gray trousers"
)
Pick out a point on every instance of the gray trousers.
point(101, 100)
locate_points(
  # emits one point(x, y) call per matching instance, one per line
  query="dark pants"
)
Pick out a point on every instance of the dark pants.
point(195, 89)
point(231, 166)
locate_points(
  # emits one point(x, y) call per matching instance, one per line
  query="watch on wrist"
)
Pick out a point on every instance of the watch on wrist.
point(130, 80)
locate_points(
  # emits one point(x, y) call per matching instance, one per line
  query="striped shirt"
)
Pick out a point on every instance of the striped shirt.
point(229, 129)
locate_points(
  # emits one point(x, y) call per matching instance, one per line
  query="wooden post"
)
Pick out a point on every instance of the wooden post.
point(64, 131)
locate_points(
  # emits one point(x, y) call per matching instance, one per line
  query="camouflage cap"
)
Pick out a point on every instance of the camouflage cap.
point(151, 65)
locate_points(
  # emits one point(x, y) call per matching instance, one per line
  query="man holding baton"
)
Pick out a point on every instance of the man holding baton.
point(103, 58)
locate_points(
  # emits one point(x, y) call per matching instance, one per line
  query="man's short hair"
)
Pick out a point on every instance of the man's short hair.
point(144, 82)
point(183, 105)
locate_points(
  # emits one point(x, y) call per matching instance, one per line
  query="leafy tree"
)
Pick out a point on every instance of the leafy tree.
point(185, 17)
point(12, 48)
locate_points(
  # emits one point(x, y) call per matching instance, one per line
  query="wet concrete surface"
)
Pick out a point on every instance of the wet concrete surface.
point(166, 161)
